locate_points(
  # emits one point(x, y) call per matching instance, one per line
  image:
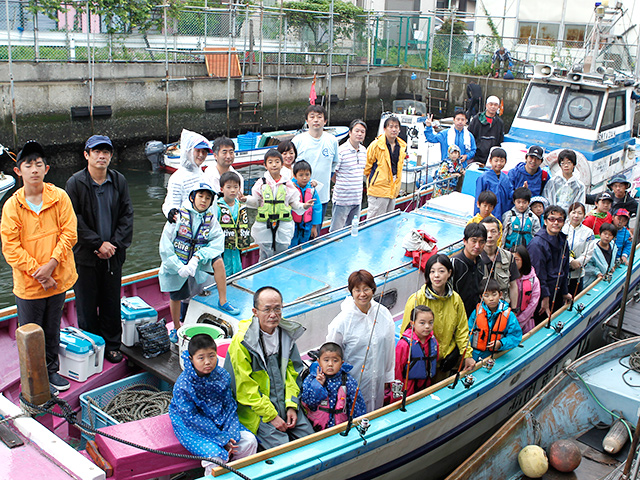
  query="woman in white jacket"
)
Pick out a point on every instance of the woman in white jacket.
point(580, 239)
point(352, 329)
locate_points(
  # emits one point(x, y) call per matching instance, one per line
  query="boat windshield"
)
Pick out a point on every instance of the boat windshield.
point(409, 107)
point(541, 102)
point(580, 108)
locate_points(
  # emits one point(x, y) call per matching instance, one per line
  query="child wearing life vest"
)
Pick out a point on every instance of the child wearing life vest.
point(623, 238)
point(307, 225)
point(520, 223)
point(492, 325)
point(417, 349)
point(187, 248)
point(233, 220)
point(528, 289)
point(275, 197)
point(329, 390)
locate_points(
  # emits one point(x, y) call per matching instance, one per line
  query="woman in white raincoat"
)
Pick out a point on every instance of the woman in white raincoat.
point(351, 329)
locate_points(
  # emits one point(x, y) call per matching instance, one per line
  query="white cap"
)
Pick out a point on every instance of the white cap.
point(493, 99)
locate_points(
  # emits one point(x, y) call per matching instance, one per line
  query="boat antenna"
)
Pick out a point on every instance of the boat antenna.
point(373, 327)
point(555, 291)
point(475, 320)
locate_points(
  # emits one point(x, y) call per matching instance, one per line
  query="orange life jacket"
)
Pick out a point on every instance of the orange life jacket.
point(482, 335)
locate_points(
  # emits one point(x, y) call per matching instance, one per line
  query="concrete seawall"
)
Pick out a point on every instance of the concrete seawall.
point(46, 92)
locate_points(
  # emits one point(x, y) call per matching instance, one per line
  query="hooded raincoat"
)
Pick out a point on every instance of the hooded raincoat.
point(188, 174)
point(450, 325)
point(203, 411)
point(581, 245)
point(168, 276)
point(351, 329)
point(560, 191)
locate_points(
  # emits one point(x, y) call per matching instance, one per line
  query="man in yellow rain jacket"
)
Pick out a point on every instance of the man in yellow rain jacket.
point(385, 159)
point(264, 364)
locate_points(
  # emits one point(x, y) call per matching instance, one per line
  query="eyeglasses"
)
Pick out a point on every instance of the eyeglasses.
point(566, 162)
point(366, 290)
point(270, 310)
point(555, 220)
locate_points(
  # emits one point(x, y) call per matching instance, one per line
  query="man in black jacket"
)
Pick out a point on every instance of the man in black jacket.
point(488, 130)
point(100, 198)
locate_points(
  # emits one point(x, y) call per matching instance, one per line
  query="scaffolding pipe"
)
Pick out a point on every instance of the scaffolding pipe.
point(13, 95)
point(166, 69)
point(279, 61)
point(330, 63)
point(231, 29)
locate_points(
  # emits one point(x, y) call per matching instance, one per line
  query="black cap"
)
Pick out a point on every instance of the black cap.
point(30, 147)
point(535, 151)
point(604, 196)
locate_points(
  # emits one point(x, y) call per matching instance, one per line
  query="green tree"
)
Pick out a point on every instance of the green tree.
point(443, 40)
point(306, 16)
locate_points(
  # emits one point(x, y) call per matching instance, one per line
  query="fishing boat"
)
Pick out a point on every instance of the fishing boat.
point(249, 151)
point(581, 403)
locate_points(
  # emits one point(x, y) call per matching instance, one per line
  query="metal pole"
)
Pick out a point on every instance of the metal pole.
point(330, 63)
point(35, 36)
point(206, 17)
point(13, 96)
point(346, 78)
point(229, 69)
point(366, 82)
point(166, 70)
point(625, 292)
point(453, 21)
point(281, 33)
point(90, 64)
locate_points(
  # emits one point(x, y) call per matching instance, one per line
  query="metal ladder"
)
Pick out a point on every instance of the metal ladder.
point(250, 113)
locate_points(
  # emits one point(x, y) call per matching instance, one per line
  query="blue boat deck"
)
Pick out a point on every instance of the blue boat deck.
point(324, 268)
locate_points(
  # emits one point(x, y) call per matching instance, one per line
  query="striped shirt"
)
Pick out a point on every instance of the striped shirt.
point(349, 175)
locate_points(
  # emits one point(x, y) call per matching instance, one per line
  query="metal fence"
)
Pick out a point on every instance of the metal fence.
point(272, 36)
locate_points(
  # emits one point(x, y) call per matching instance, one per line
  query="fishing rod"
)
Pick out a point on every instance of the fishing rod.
point(555, 292)
point(582, 264)
point(475, 320)
point(375, 321)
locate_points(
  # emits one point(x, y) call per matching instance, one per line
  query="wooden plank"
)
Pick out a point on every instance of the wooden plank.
point(218, 62)
point(166, 366)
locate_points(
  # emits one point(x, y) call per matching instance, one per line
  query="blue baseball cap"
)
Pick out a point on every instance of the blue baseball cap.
point(96, 140)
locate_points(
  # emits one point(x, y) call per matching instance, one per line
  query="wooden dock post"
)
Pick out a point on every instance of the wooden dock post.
point(34, 377)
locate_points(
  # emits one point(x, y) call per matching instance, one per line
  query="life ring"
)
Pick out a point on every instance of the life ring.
point(582, 171)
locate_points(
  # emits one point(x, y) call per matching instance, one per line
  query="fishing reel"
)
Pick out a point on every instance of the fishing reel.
point(489, 363)
point(362, 428)
point(396, 389)
point(580, 308)
point(607, 277)
point(559, 326)
point(468, 380)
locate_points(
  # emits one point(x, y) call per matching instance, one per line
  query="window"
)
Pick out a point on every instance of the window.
point(574, 35)
point(580, 108)
point(614, 112)
point(540, 33)
point(540, 103)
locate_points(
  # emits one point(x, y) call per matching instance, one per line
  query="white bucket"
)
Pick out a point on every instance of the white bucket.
point(187, 331)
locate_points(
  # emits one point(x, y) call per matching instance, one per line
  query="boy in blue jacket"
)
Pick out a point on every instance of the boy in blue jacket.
point(492, 325)
point(308, 224)
point(623, 238)
point(497, 182)
point(329, 390)
point(203, 412)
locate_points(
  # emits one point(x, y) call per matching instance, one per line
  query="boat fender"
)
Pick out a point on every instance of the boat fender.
point(533, 461)
point(615, 438)
point(564, 455)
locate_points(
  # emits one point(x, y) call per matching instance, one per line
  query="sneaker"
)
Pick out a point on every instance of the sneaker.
point(113, 356)
point(230, 309)
point(55, 380)
point(173, 336)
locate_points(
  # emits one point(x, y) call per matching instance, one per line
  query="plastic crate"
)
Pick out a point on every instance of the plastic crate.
point(247, 141)
point(93, 412)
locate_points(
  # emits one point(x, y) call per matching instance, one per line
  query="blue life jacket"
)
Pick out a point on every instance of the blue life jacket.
point(187, 242)
point(423, 364)
point(521, 230)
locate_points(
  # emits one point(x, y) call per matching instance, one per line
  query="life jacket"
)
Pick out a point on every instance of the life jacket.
point(188, 242)
point(421, 366)
point(521, 230)
point(236, 234)
point(482, 334)
point(524, 294)
point(306, 197)
point(274, 209)
point(321, 416)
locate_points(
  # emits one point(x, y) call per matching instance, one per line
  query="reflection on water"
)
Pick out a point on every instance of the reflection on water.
point(147, 191)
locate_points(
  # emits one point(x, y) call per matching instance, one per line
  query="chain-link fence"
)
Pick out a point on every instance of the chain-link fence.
point(268, 36)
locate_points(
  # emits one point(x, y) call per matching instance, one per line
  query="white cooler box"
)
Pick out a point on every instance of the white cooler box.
point(81, 354)
point(134, 311)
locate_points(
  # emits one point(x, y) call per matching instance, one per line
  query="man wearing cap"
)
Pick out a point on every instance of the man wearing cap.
point(528, 173)
point(100, 197)
point(488, 130)
point(38, 229)
point(224, 153)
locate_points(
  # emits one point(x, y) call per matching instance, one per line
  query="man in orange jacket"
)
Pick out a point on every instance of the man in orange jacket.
point(38, 229)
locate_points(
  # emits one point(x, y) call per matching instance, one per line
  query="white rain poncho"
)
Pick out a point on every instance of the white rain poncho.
point(188, 174)
point(351, 329)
